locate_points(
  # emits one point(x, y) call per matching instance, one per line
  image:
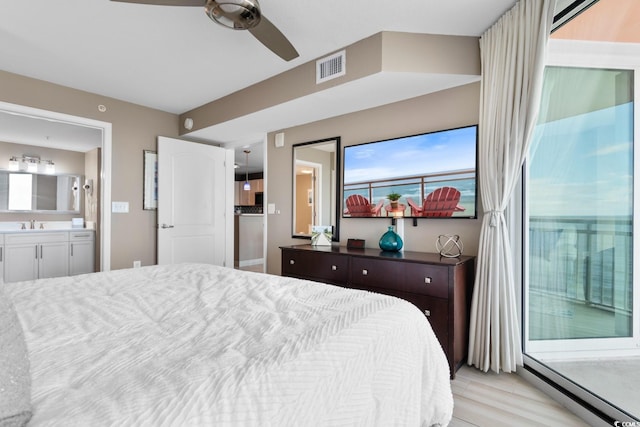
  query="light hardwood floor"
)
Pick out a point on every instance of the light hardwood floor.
point(488, 399)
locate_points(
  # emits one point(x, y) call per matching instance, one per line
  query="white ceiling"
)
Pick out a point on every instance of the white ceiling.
point(22, 129)
point(175, 59)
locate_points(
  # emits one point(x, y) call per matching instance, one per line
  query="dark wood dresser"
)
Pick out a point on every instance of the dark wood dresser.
point(440, 287)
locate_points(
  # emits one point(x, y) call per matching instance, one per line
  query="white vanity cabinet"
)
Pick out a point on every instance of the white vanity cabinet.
point(31, 256)
point(36, 254)
point(81, 252)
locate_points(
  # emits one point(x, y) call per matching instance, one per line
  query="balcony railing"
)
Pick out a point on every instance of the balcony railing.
point(586, 260)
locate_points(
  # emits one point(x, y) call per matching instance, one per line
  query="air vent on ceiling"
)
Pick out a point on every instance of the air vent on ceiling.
point(331, 67)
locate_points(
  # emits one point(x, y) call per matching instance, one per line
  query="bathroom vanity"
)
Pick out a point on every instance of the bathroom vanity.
point(39, 253)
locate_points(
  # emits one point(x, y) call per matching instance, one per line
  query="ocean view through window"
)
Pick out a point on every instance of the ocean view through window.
point(581, 209)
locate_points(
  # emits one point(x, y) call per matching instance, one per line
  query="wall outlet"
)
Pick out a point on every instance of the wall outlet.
point(137, 264)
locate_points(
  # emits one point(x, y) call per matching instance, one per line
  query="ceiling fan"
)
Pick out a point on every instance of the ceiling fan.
point(238, 15)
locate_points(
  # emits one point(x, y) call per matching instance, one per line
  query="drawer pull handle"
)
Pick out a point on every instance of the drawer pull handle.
point(427, 313)
point(365, 272)
point(291, 262)
point(427, 280)
point(334, 268)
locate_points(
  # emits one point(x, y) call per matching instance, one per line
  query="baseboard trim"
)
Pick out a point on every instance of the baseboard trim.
point(250, 262)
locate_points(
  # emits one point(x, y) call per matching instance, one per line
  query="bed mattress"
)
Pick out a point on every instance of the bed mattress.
point(200, 345)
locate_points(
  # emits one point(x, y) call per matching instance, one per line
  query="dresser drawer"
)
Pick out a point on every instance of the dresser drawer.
point(426, 279)
point(437, 312)
point(322, 267)
point(376, 273)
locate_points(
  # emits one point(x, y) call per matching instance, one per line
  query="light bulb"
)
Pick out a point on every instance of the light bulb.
point(32, 167)
point(50, 168)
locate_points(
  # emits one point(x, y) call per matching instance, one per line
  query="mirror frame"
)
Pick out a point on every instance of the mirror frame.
point(338, 167)
point(150, 172)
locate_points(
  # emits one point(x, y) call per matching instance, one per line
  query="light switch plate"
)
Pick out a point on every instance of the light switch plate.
point(271, 208)
point(120, 207)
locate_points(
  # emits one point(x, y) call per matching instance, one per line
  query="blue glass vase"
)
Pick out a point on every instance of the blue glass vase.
point(390, 241)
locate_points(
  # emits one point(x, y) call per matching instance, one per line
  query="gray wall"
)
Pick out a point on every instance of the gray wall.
point(135, 128)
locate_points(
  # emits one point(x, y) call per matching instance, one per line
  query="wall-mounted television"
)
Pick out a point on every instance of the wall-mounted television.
point(433, 174)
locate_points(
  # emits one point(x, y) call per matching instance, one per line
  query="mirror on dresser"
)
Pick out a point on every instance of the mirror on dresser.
point(316, 166)
point(40, 193)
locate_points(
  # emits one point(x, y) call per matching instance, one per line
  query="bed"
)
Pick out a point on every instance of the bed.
point(200, 345)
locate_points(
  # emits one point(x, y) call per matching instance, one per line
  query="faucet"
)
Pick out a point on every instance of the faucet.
point(33, 224)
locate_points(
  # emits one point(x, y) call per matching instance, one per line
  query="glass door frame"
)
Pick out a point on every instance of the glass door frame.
point(568, 53)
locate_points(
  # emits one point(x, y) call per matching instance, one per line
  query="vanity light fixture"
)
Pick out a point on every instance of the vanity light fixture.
point(247, 186)
point(31, 164)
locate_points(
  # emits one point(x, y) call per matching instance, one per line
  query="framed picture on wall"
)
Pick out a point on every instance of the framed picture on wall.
point(150, 198)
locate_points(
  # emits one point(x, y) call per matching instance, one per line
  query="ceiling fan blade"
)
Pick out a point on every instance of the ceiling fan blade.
point(272, 38)
point(200, 3)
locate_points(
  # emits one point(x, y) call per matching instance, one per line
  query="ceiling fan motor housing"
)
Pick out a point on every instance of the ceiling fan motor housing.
point(235, 14)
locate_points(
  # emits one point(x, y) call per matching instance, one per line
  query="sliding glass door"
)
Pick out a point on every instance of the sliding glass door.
point(581, 288)
point(580, 201)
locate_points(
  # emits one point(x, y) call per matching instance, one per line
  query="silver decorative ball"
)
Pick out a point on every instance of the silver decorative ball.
point(449, 245)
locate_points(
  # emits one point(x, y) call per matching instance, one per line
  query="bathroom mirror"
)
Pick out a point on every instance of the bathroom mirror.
point(40, 193)
point(316, 169)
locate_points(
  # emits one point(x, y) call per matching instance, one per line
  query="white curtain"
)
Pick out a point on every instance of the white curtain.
point(512, 53)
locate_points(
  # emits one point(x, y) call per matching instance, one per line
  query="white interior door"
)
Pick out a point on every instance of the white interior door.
point(195, 203)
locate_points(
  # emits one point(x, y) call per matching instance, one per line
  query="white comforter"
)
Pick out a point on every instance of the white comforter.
point(198, 345)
